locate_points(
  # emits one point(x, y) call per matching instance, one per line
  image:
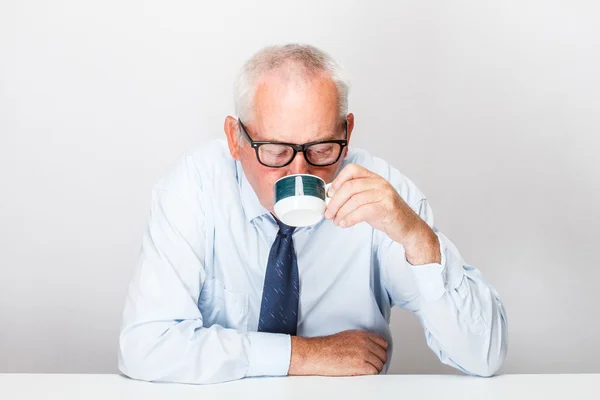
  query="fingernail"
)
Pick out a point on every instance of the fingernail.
point(342, 224)
point(330, 192)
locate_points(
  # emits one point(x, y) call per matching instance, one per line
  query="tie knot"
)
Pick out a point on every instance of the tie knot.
point(284, 229)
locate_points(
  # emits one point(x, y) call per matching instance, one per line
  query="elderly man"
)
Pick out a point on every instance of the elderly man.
point(198, 308)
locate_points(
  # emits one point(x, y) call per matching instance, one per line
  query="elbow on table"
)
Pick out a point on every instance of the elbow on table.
point(134, 359)
point(488, 366)
point(491, 353)
point(485, 370)
point(131, 365)
point(133, 371)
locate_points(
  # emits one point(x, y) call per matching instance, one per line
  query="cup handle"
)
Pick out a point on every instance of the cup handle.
point(327, 198)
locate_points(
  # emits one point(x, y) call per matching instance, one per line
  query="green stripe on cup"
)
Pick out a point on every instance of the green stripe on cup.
point(297, 185)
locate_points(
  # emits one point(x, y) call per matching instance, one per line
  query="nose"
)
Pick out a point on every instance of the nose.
point(299, 165)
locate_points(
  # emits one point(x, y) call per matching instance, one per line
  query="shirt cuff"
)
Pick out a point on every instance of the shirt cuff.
point(433, 280)
point(270, 354)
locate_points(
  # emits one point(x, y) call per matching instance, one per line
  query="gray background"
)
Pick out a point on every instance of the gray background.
point(491, 107)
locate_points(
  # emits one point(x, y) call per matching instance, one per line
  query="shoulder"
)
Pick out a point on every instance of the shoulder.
point(197, 167)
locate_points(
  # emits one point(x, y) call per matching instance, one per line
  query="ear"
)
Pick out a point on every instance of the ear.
point(232, 132)
point(350, 118)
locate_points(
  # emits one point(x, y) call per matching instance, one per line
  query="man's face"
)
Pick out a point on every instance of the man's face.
point(292, 110)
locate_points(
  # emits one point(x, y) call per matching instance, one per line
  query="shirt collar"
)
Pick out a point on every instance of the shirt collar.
point(250, 203)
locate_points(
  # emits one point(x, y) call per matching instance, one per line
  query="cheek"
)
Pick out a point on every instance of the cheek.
point(262, 179)
point(267, 178)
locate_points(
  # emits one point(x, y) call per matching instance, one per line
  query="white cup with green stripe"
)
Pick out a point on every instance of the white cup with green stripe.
point(300, 199)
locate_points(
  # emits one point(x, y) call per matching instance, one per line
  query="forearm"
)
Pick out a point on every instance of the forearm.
point(186, 352)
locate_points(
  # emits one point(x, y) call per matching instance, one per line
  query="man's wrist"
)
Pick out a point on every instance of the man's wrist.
point(423, 247)
point(298, 360)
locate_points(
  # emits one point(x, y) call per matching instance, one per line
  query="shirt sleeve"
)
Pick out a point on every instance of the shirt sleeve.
point(463, 318)
point(163, 336)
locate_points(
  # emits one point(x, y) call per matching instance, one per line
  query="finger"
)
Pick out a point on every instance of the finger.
point(359, 215)
point(379, 352)
point(369, 369)
point(349, 189)
point(349, 172)
point(374, 361)
point(379, 340)
point(355, 202)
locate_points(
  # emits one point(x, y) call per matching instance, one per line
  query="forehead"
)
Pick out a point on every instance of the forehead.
point(301, 105)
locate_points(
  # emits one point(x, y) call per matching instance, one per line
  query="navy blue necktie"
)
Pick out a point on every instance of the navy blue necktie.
point(279, 306)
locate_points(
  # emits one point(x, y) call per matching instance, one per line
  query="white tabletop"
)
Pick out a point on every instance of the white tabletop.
point(444, 387)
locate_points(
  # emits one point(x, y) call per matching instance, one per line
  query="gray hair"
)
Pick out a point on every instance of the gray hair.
point(311, 60)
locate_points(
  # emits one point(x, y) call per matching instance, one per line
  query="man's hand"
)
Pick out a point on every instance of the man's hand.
point(343, 354)
point(359, 195)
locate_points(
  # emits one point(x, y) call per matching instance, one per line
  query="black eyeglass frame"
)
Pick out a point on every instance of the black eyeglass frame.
point(295, 147)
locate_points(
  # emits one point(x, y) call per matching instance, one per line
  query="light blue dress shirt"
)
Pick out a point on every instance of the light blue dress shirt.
point(191, 314)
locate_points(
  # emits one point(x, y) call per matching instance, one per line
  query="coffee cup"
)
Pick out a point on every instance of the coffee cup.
point(300, 199)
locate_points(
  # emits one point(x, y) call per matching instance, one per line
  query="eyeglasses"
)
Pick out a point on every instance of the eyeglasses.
point(278, 155)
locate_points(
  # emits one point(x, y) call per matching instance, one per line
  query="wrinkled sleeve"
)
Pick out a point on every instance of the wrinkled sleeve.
point(463, 318)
